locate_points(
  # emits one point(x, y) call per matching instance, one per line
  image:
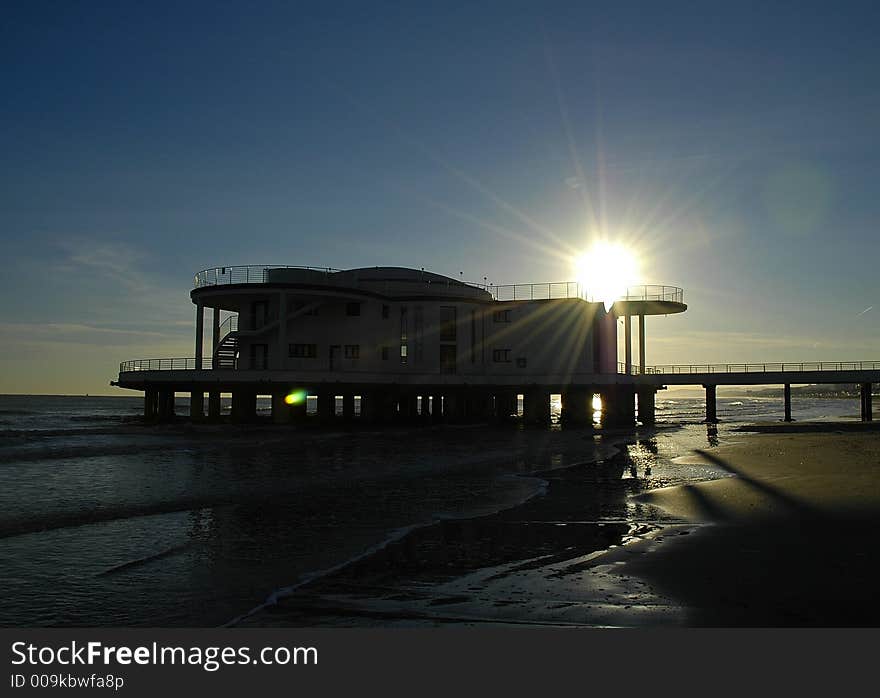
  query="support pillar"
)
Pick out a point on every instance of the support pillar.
point(711, 410)
point(369, 405)
point(867, 400)
point(197, 405)
point(618, 406)
point(627, 340)
point(787, 395)
point(214, 405)
point(576, 407)
point(505, 405)
point(647, 407)
point(244, 406)
point(641, 343)
point(348, 406)
point(479, 405)
point(200, 334)
point(151, 403)
point(454, 405)
point(327, 405)
point(165, 405)
point(215, 330)
point(280, 409)
point(536, 406)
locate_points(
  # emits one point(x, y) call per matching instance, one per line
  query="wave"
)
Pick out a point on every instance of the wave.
point(609, 450)
point(50, 453)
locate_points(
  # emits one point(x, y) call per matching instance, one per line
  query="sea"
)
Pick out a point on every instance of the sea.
point(106, 521)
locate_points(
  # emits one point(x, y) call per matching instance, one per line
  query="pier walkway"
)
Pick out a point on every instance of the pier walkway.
point(710, 376)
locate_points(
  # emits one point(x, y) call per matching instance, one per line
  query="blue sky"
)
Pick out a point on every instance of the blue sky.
point(734, 146)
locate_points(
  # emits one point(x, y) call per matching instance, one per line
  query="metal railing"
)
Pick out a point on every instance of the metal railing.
point(258, 274)
point(228, 326)
point(189, 364)
point(176, 364)
point(654, 292)
point(528, 292)
point(575, 289)
point(245, 274)
point(775, 367)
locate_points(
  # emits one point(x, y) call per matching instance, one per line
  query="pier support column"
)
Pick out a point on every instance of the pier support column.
point(479, 405)
point(348, 406)
point(151, 403)
point(197, 405)
point(647, 409)
point(618, 406)
point(627, 341)
point(786, 392)
point(406, 407)
point(244, 406)
point(867, 406)
point(326, 405)
point(165, 409)
point(215, 337)
point(214, 405)
point(200, 334)
point(381, 406)
point(641, 343)
point(369, 407)
point(505, 405)
point(536, 406)
point(711, 410)
point(576, 407)
point(280, 409)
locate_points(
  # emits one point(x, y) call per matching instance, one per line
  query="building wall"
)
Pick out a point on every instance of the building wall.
point(485, 338)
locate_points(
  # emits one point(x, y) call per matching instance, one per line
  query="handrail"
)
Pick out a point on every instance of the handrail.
point(576, 289)
point(176, 364)
point(770, 367)
point(245, 274)
point(654, 292)
point(257, 274)
point(228, 326)
point(189, 364)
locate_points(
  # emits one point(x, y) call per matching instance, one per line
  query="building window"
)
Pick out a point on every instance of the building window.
point(403, 353)
point(352, 309)
point(260, 356)
point(310, 308)
point(521, 362)
point(302, 351)
point(447, 323)
point(501, 316)
point(352, 351)
point(501, 356)
point(386, 312)
point(385, 352)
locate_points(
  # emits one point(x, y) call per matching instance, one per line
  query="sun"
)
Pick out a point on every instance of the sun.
point(606, 271)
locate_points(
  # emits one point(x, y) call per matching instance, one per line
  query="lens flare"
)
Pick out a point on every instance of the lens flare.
point(295, 397)
point(606, 271)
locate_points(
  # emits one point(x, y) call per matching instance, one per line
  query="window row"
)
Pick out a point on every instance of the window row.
point(502, 356)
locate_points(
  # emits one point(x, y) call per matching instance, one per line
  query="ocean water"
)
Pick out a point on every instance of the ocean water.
point(105, 521)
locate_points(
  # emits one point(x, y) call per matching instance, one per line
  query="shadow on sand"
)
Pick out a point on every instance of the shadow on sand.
point(795, 567)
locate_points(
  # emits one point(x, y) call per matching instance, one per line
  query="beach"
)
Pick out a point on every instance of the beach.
point(787, 540)
point(106, 521)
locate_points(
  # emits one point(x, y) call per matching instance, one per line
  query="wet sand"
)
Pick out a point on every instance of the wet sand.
point(787, 540)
